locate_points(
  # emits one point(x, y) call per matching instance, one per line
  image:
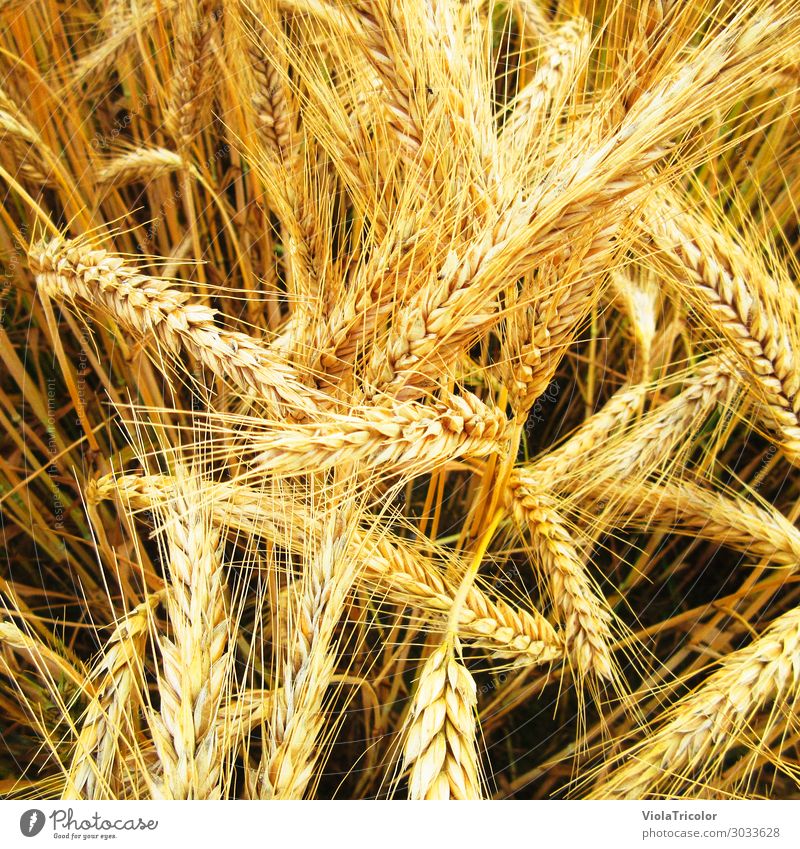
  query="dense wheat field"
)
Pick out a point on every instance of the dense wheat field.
point(399, 399)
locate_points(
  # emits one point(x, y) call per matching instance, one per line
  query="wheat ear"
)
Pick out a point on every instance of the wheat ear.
point(140, 165)
point(194, 29)
point(562, 58)
point(687, 508)
point(534, 22)
point(25, 145)
point(585, 200)
point(195, 660)
point(108, 717)
point(757, 316)
point(561, 462)
point(440, 748)
point(298, 717)
point(390, 567)
point(641, 448)
point(586, 618)
point(72, 270)
point(706, 723)
point(404, 437)
point(275, 119)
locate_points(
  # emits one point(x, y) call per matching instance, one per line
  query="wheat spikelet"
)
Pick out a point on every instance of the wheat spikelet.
point(440, 746)
point(586, 619)
point(195, 660)
point(107, 720)
point(706, 723)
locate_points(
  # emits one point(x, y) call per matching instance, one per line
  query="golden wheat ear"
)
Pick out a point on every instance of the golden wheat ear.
point(440, 750)
point(195, 660)
point(108, 724)
point(708, 722)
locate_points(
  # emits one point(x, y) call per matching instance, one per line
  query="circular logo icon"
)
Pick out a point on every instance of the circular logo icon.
point(31, 822)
